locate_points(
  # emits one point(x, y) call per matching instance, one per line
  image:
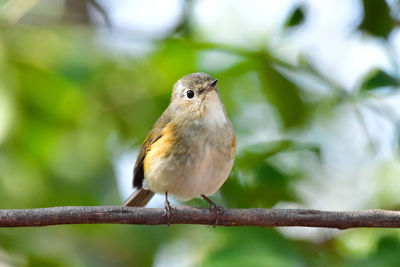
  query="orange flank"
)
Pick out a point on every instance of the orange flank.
point(233, 145)
point(159, 148)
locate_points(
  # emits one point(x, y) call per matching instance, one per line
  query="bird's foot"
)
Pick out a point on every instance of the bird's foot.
point(218, 210)
point(167, 209)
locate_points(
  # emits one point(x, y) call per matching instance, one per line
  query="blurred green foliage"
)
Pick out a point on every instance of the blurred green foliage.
point(296, 18)
point(64, 93)
point(374, 9)
point(379, 78)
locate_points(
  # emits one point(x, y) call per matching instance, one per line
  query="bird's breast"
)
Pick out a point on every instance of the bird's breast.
point(195, 163)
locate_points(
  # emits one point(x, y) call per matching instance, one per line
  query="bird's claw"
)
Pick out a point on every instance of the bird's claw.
point(167, 211)
point(218, 211)
point(214, 208)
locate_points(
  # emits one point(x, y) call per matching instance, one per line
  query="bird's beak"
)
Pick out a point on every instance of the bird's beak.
point(211, 86)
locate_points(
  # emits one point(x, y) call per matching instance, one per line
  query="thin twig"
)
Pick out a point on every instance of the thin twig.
point(188, 215)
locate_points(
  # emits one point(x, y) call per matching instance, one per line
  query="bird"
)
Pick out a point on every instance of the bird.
point(190, 150)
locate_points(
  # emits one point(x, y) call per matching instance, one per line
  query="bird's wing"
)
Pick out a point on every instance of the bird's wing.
point(153, 136)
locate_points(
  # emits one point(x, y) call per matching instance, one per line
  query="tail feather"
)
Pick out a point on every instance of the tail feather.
point(139, 198)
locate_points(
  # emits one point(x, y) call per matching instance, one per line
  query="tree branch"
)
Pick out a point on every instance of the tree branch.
point(188, 215)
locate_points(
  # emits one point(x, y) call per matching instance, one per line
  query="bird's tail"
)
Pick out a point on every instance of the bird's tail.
point(139, 198)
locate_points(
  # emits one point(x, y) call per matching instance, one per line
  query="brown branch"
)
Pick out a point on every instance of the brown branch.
point(188, 215)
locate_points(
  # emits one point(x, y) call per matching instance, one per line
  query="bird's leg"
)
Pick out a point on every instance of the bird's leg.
point(214, 207)
point(168, 207)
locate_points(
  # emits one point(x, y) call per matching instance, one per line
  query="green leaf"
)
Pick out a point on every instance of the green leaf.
point(378, 78)
point(284, 95)
point(377, 20)
point(296, 18)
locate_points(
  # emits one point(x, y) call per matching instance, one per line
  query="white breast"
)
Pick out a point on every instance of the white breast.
point(212, 171)
point(215, 114)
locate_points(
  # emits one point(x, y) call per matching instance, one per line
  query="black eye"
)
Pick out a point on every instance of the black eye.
point(189, 94)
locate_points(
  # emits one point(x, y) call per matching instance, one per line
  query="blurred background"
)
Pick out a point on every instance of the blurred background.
point(312, 89)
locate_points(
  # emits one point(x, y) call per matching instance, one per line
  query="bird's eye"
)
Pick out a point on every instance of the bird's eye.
point(189, 94)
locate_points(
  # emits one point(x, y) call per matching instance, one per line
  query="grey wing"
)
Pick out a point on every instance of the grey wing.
point(138, 172)
point(154, 135)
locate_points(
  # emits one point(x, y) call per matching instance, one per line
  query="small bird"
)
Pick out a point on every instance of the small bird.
point(190, 150)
